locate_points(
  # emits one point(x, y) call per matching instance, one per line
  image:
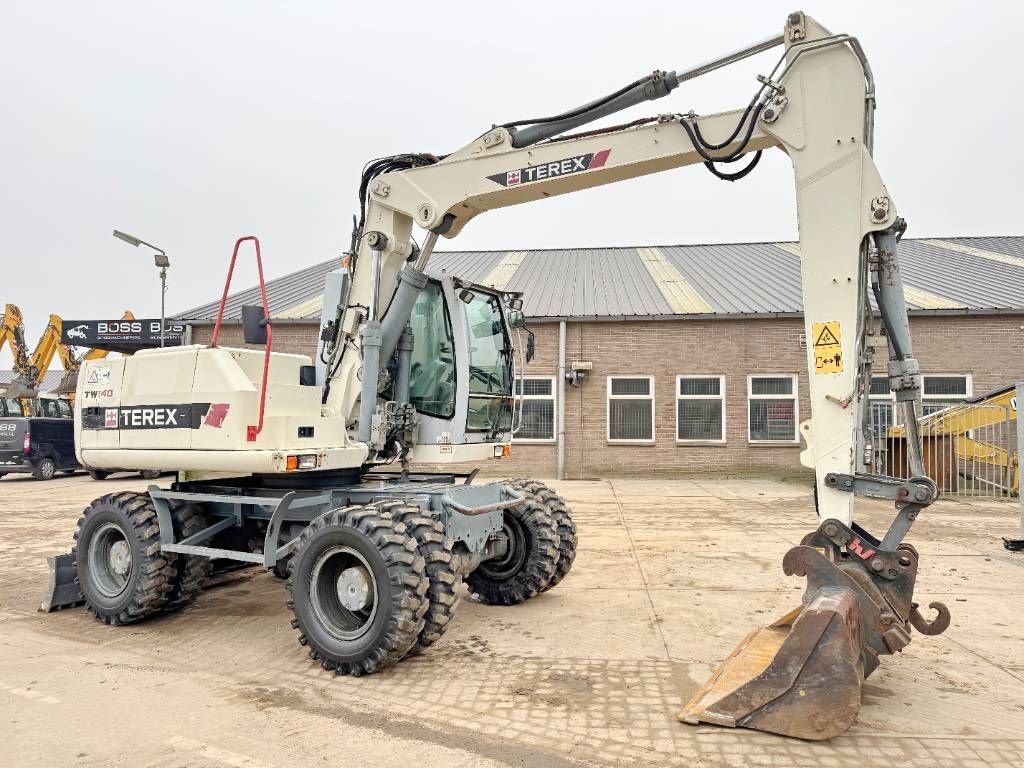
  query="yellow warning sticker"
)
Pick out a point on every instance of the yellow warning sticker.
point(828, 347)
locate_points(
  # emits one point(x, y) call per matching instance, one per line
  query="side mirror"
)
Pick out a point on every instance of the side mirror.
point(531, 348)
point(254, 325)
point(516, 303)
point(516, 319)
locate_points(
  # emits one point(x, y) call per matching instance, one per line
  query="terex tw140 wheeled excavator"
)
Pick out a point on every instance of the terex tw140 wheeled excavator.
point(279, 461)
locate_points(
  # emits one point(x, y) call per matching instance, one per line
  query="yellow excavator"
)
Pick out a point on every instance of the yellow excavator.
point(12, 333)
point(989, 462)
point(30, 371)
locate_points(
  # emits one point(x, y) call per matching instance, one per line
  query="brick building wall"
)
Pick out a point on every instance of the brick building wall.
point(988, 347)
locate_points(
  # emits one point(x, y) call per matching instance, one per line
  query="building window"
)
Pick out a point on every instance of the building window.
point(631, 409)
point(943, 390)
point(537, 422)
point(882, 405)
point(700, 409)
point(772, 408)
point(939, 391)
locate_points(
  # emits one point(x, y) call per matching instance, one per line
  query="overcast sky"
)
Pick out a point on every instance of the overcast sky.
point(189, 124)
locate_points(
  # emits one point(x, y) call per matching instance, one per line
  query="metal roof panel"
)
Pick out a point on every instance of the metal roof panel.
point(731, 278)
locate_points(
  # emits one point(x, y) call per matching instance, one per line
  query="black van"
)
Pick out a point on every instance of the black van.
point(39, 445)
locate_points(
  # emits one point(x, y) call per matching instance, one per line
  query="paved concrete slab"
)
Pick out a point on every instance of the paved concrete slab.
point(670, 575)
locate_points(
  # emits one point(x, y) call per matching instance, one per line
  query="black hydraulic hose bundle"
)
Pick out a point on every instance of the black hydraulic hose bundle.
point(704, 147)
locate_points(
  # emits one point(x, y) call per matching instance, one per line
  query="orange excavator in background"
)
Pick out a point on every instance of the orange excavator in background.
point(30, 371)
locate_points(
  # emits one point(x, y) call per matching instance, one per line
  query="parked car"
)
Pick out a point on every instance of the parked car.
point(38, 445)
point(44, 444)
point(103, 474)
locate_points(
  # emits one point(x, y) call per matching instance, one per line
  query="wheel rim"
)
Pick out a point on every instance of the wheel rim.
point(343, 593)
point(509, 564)
point(110, 560)
point(48, 469)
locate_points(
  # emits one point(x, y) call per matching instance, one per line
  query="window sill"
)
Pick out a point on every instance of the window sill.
point(705, 443)
point(629, 442)
point(527, 441)
point(774, 443)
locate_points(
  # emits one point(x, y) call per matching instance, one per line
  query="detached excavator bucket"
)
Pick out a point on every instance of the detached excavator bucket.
point(800, 676)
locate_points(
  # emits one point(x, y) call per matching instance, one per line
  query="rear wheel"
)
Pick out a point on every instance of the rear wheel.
point(192, 570)
point(122, 574)
point(150, 474)
point(530, 562)
point(358, 588)
point(98, 474)
point(45, 469)
point(436, 550)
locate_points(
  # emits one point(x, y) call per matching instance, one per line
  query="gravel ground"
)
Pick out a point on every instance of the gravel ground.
point(670, 575)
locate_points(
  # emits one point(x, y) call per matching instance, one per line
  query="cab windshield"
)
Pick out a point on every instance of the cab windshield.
point(490, 363)
point(432, 373)
point(9, 407)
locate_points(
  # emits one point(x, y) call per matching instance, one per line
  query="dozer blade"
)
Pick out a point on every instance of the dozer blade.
point(63, 591)
point(800, 676)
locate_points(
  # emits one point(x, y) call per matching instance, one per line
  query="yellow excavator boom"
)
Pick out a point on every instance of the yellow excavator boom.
point(31, 371)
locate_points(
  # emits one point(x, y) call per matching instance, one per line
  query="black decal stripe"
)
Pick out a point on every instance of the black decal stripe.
point(157, 416)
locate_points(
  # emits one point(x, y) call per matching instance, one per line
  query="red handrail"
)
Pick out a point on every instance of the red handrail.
point(251, 431)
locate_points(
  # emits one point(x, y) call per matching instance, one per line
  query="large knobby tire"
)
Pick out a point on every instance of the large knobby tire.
point(122, 573)
point(358, 590)
point(45, 469)
point(436, 550)
point(530, 562)
point(192, 570)
point(561, 516)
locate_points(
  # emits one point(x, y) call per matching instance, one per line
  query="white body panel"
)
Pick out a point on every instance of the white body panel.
point(189, 408)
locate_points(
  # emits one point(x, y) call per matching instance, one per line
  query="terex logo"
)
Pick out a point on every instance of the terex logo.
point(163, 416)
point(569, 165)
point(158, 416)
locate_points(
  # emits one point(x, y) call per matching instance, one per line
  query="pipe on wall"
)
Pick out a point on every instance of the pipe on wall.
point(561, 399)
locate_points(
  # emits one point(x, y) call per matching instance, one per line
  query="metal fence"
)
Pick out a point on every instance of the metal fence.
point(970, 449)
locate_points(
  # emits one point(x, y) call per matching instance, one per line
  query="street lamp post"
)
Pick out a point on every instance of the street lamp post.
point(162, 263)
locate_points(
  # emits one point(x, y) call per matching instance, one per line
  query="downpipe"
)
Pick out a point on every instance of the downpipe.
point(561, 400)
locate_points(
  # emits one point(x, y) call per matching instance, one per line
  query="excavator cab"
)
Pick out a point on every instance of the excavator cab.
point(462, 364)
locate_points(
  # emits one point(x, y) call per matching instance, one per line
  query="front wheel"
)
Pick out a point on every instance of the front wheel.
point(561, 517)
point(45, 470)
point(358, 590)
point(98, 474)
point(150, 474)
point(530, 562)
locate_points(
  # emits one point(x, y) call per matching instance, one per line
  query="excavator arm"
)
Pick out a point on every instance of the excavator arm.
point(12, 332)
point(802, 675)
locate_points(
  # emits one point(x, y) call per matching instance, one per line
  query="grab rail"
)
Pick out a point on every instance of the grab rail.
point(251, 431)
